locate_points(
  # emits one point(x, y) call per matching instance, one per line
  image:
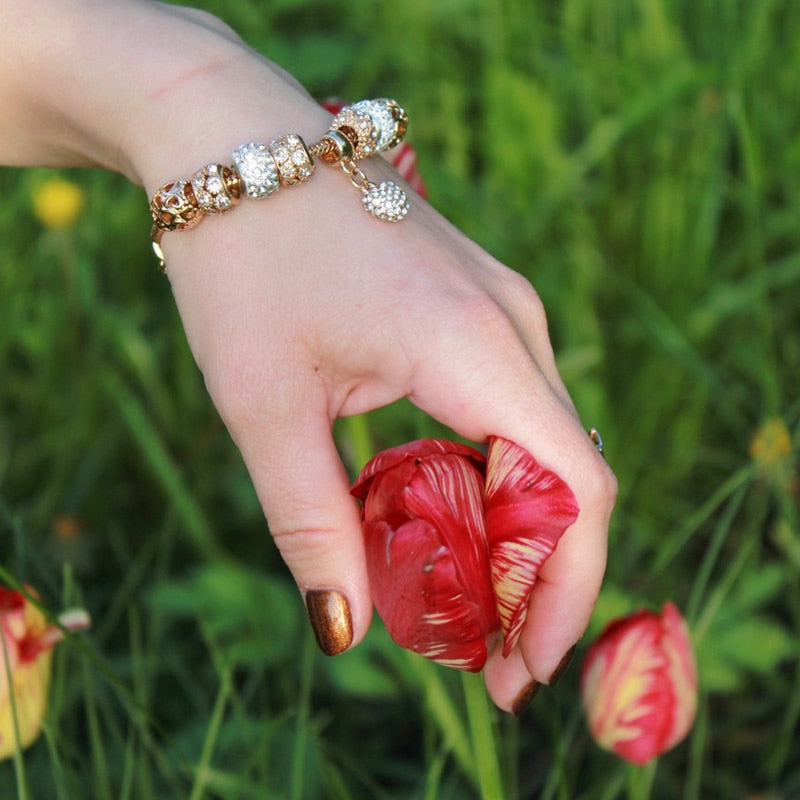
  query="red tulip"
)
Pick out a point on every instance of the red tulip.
point(639, 684)
point(427, 553)
point(454, 543)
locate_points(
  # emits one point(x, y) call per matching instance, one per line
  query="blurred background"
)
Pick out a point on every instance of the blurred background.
point(639, 162)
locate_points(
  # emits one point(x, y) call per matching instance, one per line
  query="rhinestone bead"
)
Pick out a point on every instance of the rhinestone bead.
point(213, 186)
point(386, 201)
point(371, 125)
point(292, 159)
point(359, 129)
point(257, 169)
point(174, 207)
point(389, 119)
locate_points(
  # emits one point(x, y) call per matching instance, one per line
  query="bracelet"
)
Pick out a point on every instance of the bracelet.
point(358, 131)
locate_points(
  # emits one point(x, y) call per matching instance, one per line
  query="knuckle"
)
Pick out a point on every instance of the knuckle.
point(523, 305)
point(205, 19)
point(520, 288)
point(305, 548)
point(529, 305)
point(600, 487)
point(486, 316)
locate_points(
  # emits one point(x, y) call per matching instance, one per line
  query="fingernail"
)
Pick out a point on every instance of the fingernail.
point(329, 613)
point(562, 666)
point(520, 705)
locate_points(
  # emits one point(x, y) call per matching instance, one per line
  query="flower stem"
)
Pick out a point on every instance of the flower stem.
point(441, 709)
point(484, 743)
point(357, 431)
point(302, 732)
point(641, 779)
point(203, 769)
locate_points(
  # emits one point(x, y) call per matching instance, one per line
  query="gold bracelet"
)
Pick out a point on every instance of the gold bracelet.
point(357, 131)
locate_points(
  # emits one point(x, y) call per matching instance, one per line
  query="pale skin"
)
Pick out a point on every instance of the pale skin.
point(301, 309)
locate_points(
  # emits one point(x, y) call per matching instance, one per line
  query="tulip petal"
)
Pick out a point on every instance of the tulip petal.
point(631, 705)
point(528, 508)
point(677, 646)
point(415, 588)
point(10, 600)
point(426, 548)
point(30, 684)
point(393, 457)
point(26, 642)
point(458, 516)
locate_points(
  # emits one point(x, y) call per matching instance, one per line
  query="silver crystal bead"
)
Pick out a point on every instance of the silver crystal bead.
point(257, 169)
point(388, 117)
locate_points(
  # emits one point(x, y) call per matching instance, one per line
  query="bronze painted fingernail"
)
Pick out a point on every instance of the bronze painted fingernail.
point(520, 705)
point(562, 666)
point(329, 613)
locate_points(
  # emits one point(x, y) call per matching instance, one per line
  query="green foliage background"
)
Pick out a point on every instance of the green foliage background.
point(639, 161)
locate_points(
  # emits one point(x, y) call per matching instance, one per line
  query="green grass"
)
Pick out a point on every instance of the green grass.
point(639, 161)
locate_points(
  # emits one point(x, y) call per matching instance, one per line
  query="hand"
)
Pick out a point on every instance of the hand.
point(301, 308)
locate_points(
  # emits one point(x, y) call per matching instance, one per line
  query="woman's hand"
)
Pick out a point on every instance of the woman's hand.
point(301, 308)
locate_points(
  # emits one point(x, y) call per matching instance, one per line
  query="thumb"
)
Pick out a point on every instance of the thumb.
point(315, 522)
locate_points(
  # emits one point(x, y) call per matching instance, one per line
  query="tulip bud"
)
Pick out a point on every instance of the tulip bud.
point(26, 642)
point(639, 684)
point(454, 545)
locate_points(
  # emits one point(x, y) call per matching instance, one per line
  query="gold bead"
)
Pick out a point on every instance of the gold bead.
point(359, 129)
point(174, 207)
point(372, 126)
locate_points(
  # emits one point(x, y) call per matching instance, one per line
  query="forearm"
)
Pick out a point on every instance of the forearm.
point(134, 86)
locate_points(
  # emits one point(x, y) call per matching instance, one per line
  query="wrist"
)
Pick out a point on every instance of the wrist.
point(202, 118)
point(206, 94)
point(359, 131)
point(136, 87)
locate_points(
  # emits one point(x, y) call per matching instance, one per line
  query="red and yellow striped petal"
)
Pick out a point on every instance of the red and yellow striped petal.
point(420, 597)
point(528, 508)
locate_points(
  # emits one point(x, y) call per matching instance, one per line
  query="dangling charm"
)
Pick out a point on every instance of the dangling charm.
point(360, 131)
point(386, 201)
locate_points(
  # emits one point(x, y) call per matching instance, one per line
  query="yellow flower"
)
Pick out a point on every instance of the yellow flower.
point(57, 203)
point(771, 450)
point(26, 643)
point(771, 444)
